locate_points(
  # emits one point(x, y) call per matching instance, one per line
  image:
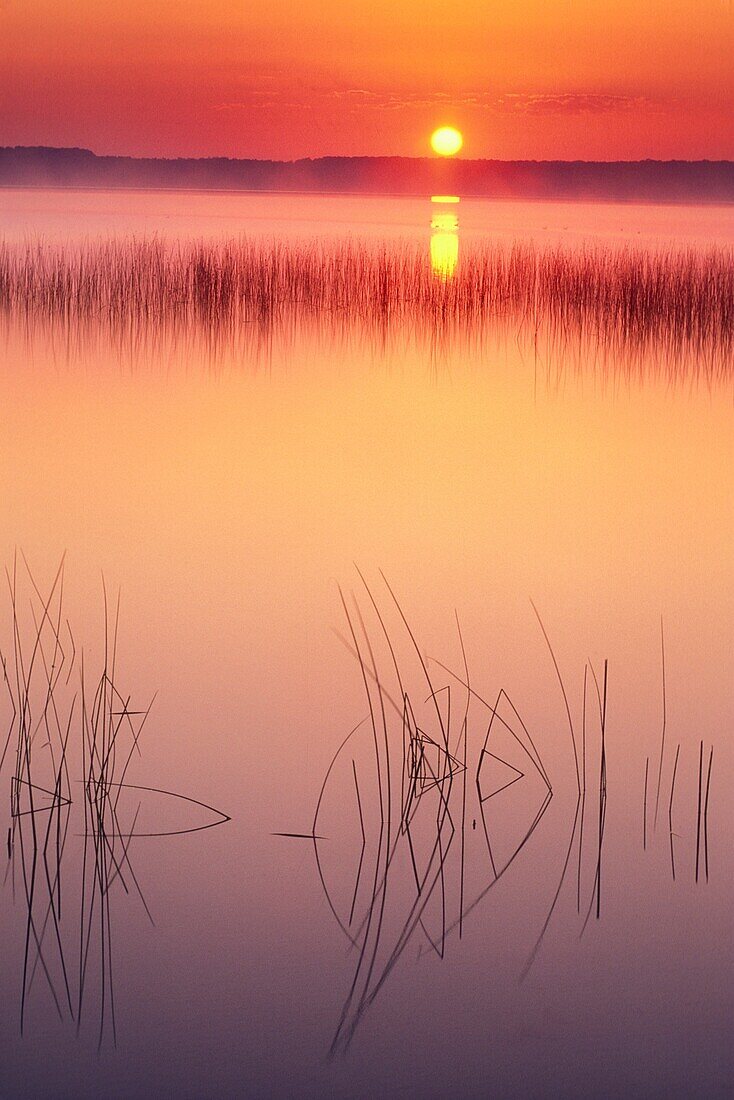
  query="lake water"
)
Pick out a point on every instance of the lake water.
point(473, 514)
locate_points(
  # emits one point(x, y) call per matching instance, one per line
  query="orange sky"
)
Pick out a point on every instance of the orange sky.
point(596, 79)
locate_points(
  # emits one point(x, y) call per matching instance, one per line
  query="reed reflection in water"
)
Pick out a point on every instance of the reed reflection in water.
point(671, 310)
point(75, 815)
point(435, 795)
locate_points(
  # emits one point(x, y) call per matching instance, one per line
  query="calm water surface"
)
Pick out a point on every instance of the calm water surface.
point(231, 503)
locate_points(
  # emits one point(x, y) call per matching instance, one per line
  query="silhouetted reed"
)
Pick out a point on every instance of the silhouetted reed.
point(45, 707)
point(673, 304)
point(440, 792)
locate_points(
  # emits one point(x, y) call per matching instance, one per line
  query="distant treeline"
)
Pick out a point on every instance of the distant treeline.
point(613, 181)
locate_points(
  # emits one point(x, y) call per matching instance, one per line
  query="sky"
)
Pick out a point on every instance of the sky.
point(282, 79)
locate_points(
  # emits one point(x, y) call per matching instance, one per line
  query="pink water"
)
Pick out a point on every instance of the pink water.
point(229, 506)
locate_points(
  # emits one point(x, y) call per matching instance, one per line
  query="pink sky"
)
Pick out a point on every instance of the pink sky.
point(606, 79)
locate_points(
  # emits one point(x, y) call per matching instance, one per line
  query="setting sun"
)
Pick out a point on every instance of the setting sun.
point(446, 141)
point(412, 327)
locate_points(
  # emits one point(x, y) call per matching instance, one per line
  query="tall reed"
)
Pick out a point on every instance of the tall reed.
point(673, 303)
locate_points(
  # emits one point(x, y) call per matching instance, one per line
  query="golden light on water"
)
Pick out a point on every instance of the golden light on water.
point(446, 141)
point(446, 223)
point(444, 254)
point(444, 237)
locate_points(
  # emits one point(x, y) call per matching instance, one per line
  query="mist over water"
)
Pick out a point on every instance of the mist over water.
point(326, 542)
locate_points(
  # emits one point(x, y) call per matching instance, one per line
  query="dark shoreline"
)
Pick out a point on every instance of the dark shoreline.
point(655, 182)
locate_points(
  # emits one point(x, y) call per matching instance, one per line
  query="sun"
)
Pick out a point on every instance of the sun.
point(446, 141)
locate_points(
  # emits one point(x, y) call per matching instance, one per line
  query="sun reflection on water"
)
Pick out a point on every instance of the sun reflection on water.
point(444, 237)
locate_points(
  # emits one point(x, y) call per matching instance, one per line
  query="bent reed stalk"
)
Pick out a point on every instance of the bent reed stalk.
point(677, 304)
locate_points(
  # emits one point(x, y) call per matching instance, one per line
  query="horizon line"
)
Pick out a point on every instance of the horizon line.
point(458, 159)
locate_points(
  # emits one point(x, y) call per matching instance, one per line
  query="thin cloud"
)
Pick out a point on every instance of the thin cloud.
point(571, 103)
point(528, 103)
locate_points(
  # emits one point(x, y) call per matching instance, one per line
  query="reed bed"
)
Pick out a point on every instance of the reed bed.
point(674, 305)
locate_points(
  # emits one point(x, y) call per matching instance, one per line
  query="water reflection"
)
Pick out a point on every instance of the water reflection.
point(225, 501)
point(74, 814)
point(437, 795)
point(638, 311)
point(444, 236)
